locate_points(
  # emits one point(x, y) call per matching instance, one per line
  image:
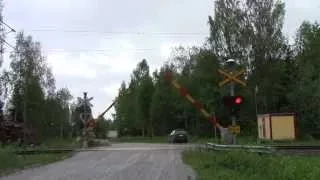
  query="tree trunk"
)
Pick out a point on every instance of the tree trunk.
point(185, 120)
point(151, 128)
point(24, 116)
point(25, 106)
point(61, 130)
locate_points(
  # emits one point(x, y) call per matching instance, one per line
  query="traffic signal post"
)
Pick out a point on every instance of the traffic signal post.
point(86, 117)
point(233, 102)
point(233, 117)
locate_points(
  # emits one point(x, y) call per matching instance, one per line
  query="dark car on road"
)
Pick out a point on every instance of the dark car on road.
point(178, 136)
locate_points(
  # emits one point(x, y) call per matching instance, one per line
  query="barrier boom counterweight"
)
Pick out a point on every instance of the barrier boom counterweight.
point(197, 104)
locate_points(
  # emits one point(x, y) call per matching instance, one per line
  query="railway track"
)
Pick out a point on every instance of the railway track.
point(275, 149)
point(298, 149)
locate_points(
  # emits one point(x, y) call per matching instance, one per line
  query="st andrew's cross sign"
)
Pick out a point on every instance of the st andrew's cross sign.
point(232, 76)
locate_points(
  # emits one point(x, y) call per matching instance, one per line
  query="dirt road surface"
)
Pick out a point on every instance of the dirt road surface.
point(125, 161)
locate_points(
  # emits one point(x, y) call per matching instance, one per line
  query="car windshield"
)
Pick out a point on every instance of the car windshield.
point(181, 132)
point(178, 131)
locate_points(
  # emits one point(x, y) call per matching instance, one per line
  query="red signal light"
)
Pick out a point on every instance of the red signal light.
point(233, 103)
point(238, 100)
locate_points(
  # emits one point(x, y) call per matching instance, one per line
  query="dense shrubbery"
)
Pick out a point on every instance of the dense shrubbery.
point(244, 165)
point(287, 76)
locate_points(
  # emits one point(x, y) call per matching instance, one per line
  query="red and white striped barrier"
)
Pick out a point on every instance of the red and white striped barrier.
point(183, 92)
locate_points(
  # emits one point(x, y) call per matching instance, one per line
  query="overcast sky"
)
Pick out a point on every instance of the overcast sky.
point(93, 45)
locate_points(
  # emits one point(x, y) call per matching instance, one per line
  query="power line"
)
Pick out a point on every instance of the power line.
point(96, 51)
point(177, 34)
point(4, 41)
point(122, 32)
point(100, 50)
point(11, 29)
point(92, 50)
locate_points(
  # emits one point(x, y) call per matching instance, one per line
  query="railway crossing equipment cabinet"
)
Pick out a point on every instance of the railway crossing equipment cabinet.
point(277, 126)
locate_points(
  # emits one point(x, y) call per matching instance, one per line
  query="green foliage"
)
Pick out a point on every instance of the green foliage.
point(12, 162)
point(102, 128)
point(59, 142)
point(243, 165)
point(31, 85)
point(134, 103)
point(307, 94)
point(249, 31)
point(140, 139)
point(162, 107)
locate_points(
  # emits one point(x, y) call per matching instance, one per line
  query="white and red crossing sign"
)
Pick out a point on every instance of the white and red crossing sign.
point(232, 76)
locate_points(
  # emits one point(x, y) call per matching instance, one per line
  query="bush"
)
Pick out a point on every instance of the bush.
point(11, 161)
point(243, 165)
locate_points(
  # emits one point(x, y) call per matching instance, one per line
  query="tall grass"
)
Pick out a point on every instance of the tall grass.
point(141, 139)
point(10, 161)
point(58, 142)
point(243, 166)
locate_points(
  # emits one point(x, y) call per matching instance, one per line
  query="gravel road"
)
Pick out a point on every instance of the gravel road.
point(125, 161)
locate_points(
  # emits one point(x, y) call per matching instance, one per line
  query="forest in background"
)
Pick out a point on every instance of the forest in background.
point(28, 87)
point(283, 76)
point(29, 90)
point(32, 98)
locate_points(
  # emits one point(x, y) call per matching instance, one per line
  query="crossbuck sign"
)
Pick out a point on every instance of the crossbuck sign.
point(232, 76)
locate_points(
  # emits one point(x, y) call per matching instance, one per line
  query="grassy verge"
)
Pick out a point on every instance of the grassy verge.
point(297, 142)
point(195, 139)
point(247, 140)
point(11, 162)
point(159, 139)
point(247, 166)
point(140, 139)
point(58, 142)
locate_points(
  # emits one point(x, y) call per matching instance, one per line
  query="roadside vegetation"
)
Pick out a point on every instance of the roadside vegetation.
point(58, 142)
point(11, 162)
point(201, 140)
point(251, 140)
point(160, 139)
point(250, 32)
point(141, 139)
point(243, 165)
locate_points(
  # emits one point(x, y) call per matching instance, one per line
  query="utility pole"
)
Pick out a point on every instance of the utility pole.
point(255, 99)
point(232, 102)
point(85, 133)
point(231, 64)
point(215, 127)
point(233, 117)
point(25, 105)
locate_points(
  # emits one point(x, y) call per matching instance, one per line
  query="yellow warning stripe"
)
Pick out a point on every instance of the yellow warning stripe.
point(190, 98)
point(193, 101)
point(205, 113)
point(176, 85)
